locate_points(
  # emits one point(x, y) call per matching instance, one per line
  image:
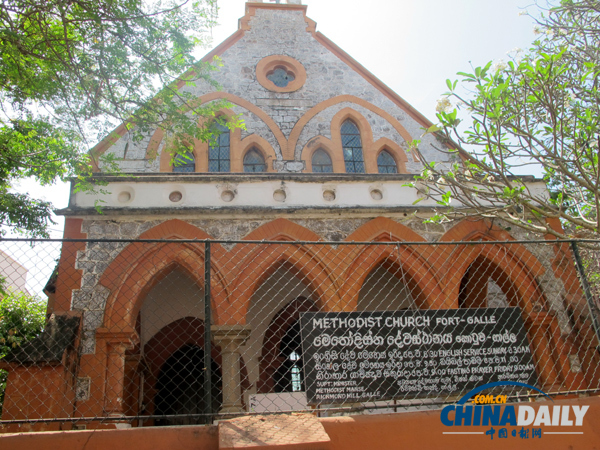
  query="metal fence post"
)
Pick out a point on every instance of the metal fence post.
point(587, 291)
point(207, 335)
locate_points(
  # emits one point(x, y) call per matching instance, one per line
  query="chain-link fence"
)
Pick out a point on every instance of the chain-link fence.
point(328, 327)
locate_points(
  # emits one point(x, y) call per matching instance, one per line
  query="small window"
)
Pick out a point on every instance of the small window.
point(321, 162)
point(184, 163)
point(386, 163)
point(353, 155)
point(218, 152)
point(254, 162)
point(281, 77)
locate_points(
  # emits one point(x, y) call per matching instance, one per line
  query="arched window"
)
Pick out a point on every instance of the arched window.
point(288, 377)
point(184, 163)
point(386, 163)
point(254, 162)
point(218, 152)
point(321, 162)
point(353, 155)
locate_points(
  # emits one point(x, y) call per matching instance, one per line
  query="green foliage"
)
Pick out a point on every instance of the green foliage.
point(70, 71)
point(22, 318)
point(539, 110)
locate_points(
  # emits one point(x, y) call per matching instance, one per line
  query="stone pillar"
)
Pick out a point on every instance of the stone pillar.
point(116, 344)
point(230, 338)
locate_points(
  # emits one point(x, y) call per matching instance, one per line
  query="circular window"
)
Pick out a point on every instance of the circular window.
point(280, 73)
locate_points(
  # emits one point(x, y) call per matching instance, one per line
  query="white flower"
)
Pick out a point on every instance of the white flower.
point(523, 13)
point(499, 66)
point(537, 30)
point(444, 105)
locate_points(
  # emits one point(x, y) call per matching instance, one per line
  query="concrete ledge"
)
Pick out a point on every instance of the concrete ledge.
point(414, 430)
point(151, 438)
point(295, 431)
point(424, 430)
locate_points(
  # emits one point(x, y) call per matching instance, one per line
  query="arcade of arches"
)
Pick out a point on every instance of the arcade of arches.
point(258, 292)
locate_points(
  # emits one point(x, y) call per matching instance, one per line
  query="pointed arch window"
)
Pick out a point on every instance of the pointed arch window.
point(352, 145)
point(184, 163)
point(386, 163)
point(218, 151)
point(321, 162)
point(254, 161)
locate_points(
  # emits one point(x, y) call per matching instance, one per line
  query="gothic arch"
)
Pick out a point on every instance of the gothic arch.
point(297, 130)
point(142, 275)
point(139, 266)
point(515, 259)
point(517, 271)
point(303, 262)
point(321, 142)
point(379, 227)
point(259, 143)
point(157, 137)
point(417, 262)
point(200, 148)
point(364, 128)
point(393, 149)
point(420, 275)
point(282, 229)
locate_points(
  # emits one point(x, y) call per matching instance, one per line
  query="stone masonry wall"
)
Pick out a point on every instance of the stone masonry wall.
point(273, 32)
point(91, 298)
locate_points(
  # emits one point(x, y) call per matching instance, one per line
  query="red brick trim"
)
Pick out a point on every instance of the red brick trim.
point(69, 278)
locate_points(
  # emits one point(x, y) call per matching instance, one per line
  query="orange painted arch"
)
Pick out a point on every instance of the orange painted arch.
point(297, 130)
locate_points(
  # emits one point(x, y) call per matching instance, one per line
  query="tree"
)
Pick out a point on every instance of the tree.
point(538, 113)
point(22, 318)
point(70, 70)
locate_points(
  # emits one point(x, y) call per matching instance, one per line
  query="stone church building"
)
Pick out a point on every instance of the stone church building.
point(323, 157)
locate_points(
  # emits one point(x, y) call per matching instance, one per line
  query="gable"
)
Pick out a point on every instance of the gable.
point(326, 81)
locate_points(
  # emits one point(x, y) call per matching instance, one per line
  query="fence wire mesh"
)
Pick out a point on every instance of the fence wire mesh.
point(112, 330)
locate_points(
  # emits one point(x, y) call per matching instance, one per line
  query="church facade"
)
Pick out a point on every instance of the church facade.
point(323, 157)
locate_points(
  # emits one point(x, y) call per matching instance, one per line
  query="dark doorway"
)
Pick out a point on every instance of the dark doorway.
point(180, 387)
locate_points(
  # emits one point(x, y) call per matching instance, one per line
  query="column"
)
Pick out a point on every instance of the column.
point(116, 344)
point(230, 338)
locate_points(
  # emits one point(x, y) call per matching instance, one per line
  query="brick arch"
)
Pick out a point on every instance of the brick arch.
point(261, 144)
point(321, 142)
point(515, 259)
point(379, 227)
point(516, 270)
point(282, 229)
point(139, 266)
point(304, 262)
point(142, 275)
point(393, 149)
point(297, 130)
point(421, 276)
point(157, 137)
point(418, 262)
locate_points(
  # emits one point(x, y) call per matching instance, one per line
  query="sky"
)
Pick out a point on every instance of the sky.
point(412, 46)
